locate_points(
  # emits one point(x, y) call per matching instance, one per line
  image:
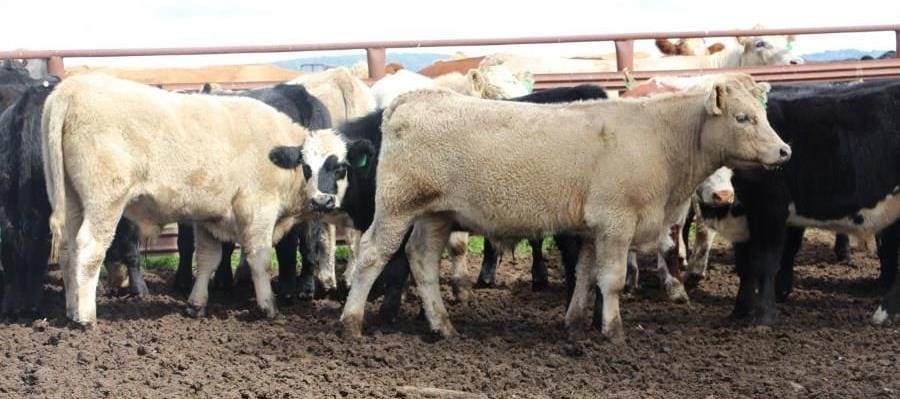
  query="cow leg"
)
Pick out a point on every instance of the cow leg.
point(632, 274)
point(841, 247)
point(486, 278)
point(132, 252)
point(746, 295)
point(224, 279)
point(766, 262)
point(184, 274)
point(353, 237)
point(243, 279)
point(611, 255)
point(703, 240)
point(667, 254)
point(888, 247)
point(325, 272)
point(460, 283)
point(539, 277)
point(585, 283)
point(429, 236)
point(74, 219)
point(93, 238)
point(784, 281)
point(11, 269)
point(286, 252)
point(569, 250)
point(396, 280)
point(377, 246)
point(209, 254)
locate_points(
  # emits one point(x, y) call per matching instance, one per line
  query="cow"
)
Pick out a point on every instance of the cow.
point(307, 111)
point(123, 148)
point(845, 176)
point(359, 201)
point(14, 80)
point(494, 81)
point(690, 46)
point(530, 190)
point(344, 95)
point(360, 69)
point(24, 211)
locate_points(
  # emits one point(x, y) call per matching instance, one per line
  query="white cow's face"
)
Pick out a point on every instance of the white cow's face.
point(496, 82)
point(768, 50)
point(716, 190)
point(325, 159)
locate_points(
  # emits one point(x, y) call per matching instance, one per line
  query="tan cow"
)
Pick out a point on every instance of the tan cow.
point(345, 95)
point(487, 81)
point(159, 157)
point(628, 166)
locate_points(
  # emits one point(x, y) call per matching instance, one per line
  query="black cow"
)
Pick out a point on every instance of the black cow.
point(844, 175)
point(25, 209)
point(359, 200)
point(14, 80)
point(305, 109)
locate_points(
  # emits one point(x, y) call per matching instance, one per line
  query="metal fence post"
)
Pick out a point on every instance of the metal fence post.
point(56, 67)
point(625, 55)
point(376, 60)
point(897, 41)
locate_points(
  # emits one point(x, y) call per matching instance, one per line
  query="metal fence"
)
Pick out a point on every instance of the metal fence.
point(624, 45)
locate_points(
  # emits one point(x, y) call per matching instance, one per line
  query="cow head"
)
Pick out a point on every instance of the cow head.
point(735, 110)
point(496, 82)
point(717, 190)
point(325, 159)
point(768, 50)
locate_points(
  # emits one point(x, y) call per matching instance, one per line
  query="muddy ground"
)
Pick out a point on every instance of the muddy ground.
point(511, 345)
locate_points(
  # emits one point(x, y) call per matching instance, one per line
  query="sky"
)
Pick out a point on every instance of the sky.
point(180, 23)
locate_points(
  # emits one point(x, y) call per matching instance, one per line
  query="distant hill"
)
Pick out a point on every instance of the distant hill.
point(411, 61)
point(835, 55)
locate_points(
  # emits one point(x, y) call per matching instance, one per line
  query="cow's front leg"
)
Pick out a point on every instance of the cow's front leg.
point(208, 253)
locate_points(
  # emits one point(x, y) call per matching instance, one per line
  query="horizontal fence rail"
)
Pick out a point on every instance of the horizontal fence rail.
point(624, 46)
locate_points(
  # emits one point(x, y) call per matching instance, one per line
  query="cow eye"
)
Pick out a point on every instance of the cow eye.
point(307, 172)
point(761, 44)
point(742, 117)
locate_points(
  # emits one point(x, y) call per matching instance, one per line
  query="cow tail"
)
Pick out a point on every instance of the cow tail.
point(52, 121)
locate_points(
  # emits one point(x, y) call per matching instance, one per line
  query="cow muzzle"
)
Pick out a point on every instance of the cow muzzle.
point(324, 202)
point(723, 198)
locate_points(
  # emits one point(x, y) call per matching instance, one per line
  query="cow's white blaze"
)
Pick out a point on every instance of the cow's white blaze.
point(317, 148)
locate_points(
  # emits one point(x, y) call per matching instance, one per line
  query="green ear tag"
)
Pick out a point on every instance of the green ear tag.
point(762, 103)
point(363, 162)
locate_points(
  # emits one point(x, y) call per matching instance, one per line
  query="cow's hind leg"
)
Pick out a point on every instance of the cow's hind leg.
point(94, 237)
point(209, 253)
point(888, 247)
point(611, 255)
point(539, 278)
point(424, 249)
point(667, 259)
point(487, 276)
point(377, 245)
point(584, 280)
point(459, 266)
point(223, 280)
point(286, 252)
point(184, 274)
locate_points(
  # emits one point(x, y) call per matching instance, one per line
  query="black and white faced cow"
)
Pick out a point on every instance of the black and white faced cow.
point(24, 210)
point(844, 176)
point(306, 110)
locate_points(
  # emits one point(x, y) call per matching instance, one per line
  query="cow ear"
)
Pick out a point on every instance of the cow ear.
point(477, 78)
point(286, 157)
point(360, 153)
point(715, 103)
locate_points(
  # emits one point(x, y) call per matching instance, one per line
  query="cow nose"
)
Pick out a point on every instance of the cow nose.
point(796, 61)
point(722, 198)
point(323, 203)
point(784, 154)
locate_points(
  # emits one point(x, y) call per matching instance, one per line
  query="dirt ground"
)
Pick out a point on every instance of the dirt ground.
point(511, 345)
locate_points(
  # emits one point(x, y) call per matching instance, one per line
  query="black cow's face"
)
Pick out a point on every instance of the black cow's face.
point(325, 159)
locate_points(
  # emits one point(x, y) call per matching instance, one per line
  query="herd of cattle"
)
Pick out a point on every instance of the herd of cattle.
point(90, 164)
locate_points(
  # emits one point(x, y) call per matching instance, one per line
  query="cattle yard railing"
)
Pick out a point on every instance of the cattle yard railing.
point(624, 45)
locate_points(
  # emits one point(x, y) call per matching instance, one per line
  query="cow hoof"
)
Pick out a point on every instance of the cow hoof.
point(285, 300)
point(677, 293)
point(692, 280)
point(306, 295)
point(351, 327)
point(614, 332)
point(446, 331)
point(195, 311)
point(881, 317)
point(82, 325)
point(480, 284)
point(462, 294)
point(539, 285)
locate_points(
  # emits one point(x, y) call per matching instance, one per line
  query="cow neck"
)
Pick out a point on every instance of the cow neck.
point(689, 162)
point(729, 57)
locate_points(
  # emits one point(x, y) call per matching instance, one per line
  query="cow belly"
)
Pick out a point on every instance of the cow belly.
point(876, 218)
